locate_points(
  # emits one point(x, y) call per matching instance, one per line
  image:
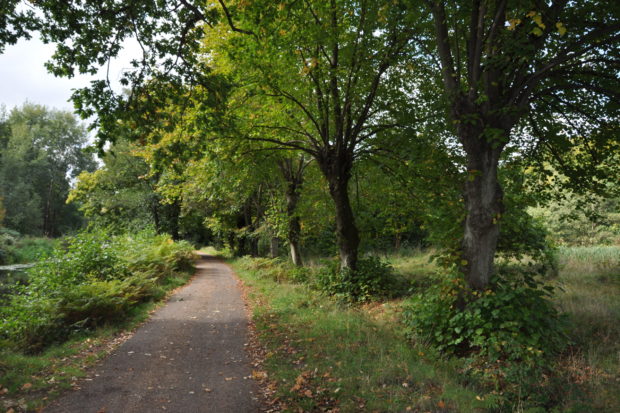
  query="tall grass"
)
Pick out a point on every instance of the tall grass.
point(589, 281)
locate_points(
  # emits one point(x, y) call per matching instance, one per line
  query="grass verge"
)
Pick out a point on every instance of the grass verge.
point(323, 356)
point(28, 382)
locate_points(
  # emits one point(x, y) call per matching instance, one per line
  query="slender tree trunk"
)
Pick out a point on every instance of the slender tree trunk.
point(294, 232)
point(294, 222)
point(155, 214)
point(484, 207)
point(293, 172)
point(274, 247)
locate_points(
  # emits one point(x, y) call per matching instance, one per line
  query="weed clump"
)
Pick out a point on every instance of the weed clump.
point(373, 278)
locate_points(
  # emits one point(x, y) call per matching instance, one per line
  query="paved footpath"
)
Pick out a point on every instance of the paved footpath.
point(189, 357)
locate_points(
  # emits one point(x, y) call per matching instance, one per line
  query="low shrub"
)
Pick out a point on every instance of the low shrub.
point(508, 332)
point(94, 279)
point(513, 319)
point(373, 278)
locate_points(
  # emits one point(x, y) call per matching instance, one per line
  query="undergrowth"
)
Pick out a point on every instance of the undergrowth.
point(89, 288)
point(525, 344)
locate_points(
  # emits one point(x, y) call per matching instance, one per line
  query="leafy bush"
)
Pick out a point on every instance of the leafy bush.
point(15, 249)
point(92, 280)
point(373, 278)
point(513, 319)
point(508, 332)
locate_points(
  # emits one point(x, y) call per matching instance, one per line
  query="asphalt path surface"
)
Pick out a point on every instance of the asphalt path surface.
point(189, 357)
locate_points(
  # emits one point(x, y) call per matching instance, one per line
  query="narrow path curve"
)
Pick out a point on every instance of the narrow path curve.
point(189, 357)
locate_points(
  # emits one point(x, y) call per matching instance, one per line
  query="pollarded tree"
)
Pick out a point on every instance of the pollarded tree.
point(548, 70)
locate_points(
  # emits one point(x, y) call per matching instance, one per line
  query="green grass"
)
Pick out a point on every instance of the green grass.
point(589, 281)
point(357, 359)
point(324, 355)
point(28, 382)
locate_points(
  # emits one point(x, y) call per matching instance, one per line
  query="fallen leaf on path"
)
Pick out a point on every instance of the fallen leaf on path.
point(441, 404)
point(26, 386)
point(228, 378)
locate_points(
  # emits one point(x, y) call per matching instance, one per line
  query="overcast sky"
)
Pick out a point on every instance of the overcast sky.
point(23, 76)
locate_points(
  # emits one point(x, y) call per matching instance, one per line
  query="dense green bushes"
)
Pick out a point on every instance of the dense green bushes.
point(509, 334)
point(91, 280)
point(16, 249)
point(373, 278)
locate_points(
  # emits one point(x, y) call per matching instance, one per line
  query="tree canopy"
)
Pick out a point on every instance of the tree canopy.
point(41, 152)
point(484, 84)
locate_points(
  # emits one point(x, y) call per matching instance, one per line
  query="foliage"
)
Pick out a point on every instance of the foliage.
point(16, 249)
point(41, 151)
point(510, 333)
point(88, 282)
point(579, 220)
point(372, 279)
point(321, 355)
point(512, 320)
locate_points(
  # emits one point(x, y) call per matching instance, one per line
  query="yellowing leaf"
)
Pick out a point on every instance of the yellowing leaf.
point(561, 28)
point(536, 31)
point(531, 13)
point(513, 23)
point(538, 20)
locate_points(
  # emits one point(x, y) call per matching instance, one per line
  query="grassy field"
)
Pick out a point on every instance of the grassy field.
point(325, 355)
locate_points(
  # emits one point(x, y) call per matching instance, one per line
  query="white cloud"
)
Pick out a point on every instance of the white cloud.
point(23, 76)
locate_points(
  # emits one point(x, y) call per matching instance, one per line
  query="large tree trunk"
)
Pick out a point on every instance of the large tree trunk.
point(346, 230)
point(483, 203)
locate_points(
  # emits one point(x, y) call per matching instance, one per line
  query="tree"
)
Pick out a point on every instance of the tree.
point(120, 193)
point(332, 61)
point(330, 71)
point(544, 71)
point(42, 151)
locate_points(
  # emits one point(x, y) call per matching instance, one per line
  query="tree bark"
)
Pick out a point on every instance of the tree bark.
point(346, 230)
point(336, 164)
point(483, 202)
point(293, 175)
point(294, 223)
point(294, 231)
